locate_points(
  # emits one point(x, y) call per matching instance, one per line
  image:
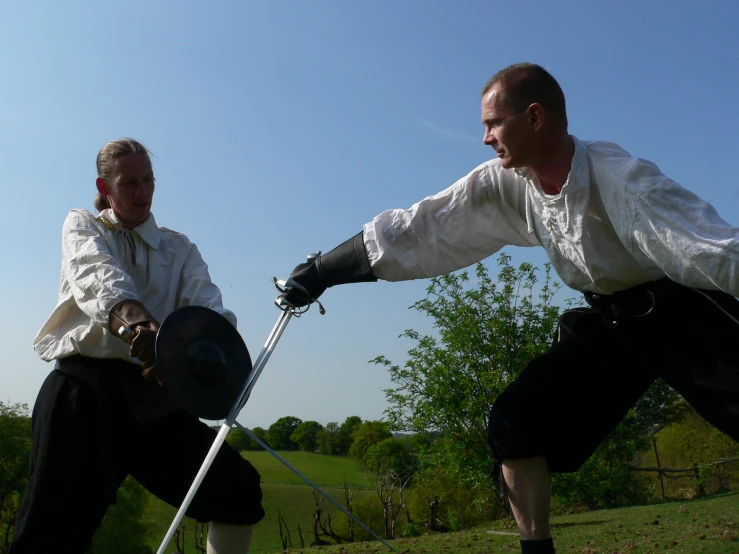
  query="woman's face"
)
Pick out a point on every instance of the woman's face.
point(131, 189)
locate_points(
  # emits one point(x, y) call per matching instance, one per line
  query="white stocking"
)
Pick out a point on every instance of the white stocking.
point(224, 538)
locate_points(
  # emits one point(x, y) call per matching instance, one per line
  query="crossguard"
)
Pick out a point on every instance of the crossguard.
point(286, 285)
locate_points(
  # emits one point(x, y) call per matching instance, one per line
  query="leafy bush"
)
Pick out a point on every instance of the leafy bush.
point(458, 505)
point(15, 450)
point(411, 530)
point(606, 479)
point(365, 436)
point(689, 441)
point(123, 529)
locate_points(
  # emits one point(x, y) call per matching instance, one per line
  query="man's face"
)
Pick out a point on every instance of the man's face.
point(506, 131)
point(131, 189)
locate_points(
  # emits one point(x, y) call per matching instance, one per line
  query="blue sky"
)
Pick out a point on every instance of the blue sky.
point(280, 128)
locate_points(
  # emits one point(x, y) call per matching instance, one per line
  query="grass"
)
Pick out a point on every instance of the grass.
point(284, 493)
point(324, 471)
point(697, 526)
point(708, 525)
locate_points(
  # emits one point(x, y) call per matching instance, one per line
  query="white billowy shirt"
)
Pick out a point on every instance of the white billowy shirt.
point(103, 264)
point(618, 222)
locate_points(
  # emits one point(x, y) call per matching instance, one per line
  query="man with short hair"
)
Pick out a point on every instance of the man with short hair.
point(655, 263)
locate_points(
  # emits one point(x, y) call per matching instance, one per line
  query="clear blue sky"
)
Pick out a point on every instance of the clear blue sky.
point(280, 128)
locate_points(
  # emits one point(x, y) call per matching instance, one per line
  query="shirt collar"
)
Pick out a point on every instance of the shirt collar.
point(148, 230)
point(579, 162)
point(579, 158)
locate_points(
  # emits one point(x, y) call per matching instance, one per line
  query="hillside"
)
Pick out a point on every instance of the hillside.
point(697, 526)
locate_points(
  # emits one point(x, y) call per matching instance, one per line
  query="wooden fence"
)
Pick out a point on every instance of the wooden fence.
point(692, 472)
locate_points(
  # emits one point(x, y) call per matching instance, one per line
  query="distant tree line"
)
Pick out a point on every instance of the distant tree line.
point(352, 438)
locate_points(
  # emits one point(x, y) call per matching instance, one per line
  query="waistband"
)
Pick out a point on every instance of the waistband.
point(118, 378)
point(100, 373)
point(635, 302)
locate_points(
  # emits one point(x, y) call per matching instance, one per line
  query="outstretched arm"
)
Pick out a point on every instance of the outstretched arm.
point(686, 238)
point(467, 222)
point(347, 263)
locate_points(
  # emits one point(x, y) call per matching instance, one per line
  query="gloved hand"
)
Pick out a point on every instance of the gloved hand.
point(143, 347)
point(347, 263)
point(134, 315)
point(306, 284)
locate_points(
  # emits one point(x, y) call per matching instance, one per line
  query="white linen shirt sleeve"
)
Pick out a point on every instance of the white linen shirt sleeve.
point(665, 225)
point(686, 238)
point(96, 279)
point(469, 221)
point(196, 287)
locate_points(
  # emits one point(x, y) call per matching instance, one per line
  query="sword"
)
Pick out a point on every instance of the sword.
point(287, 311)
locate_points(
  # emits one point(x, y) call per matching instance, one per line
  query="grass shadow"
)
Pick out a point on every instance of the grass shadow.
point(577, 523)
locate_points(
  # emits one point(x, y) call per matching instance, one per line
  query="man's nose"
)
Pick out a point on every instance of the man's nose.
point(488, 138)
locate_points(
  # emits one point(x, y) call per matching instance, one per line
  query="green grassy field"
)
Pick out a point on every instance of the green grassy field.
point(705, 526)
point(698, 526)
point(324, 471)
point(284, 493)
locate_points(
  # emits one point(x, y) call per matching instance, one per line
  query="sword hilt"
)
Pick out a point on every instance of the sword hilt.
point(126, 333)
point(285, 285)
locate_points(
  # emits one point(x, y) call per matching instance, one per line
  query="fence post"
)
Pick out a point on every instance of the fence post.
point(661, 479)
point(698, 480)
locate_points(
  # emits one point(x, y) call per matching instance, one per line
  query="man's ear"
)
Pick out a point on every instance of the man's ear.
point(102, 186)
point(536, 116)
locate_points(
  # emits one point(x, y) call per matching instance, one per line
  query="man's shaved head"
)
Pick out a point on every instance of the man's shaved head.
point(523, 84)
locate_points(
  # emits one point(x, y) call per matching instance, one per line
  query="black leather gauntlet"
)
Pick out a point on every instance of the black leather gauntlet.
point(347, 263)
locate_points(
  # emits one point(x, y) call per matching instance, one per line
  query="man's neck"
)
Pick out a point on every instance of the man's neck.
point(555, 167)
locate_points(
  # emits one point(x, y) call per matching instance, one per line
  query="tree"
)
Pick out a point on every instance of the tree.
point(238, 440)
point(346, 431)
point(305, 435)
point(419, 442)
point(486, 335)
point(658, 408)
point(391, 456)
point(365, 435)
point(328, 439)
point(15, 450)
point(278, 434)
point(261, 434)
point(394, 466)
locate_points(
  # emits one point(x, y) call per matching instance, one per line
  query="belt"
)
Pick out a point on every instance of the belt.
point(636, 302)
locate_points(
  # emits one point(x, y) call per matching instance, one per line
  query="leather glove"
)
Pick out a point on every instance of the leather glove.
point(134, 315)
point(308, 284)
point(347, 263)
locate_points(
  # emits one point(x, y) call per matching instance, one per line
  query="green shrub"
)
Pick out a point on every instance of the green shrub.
point(691, 441)
point(124, 530)
point(459, 506)
point(605, 479)
point(411, 530)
